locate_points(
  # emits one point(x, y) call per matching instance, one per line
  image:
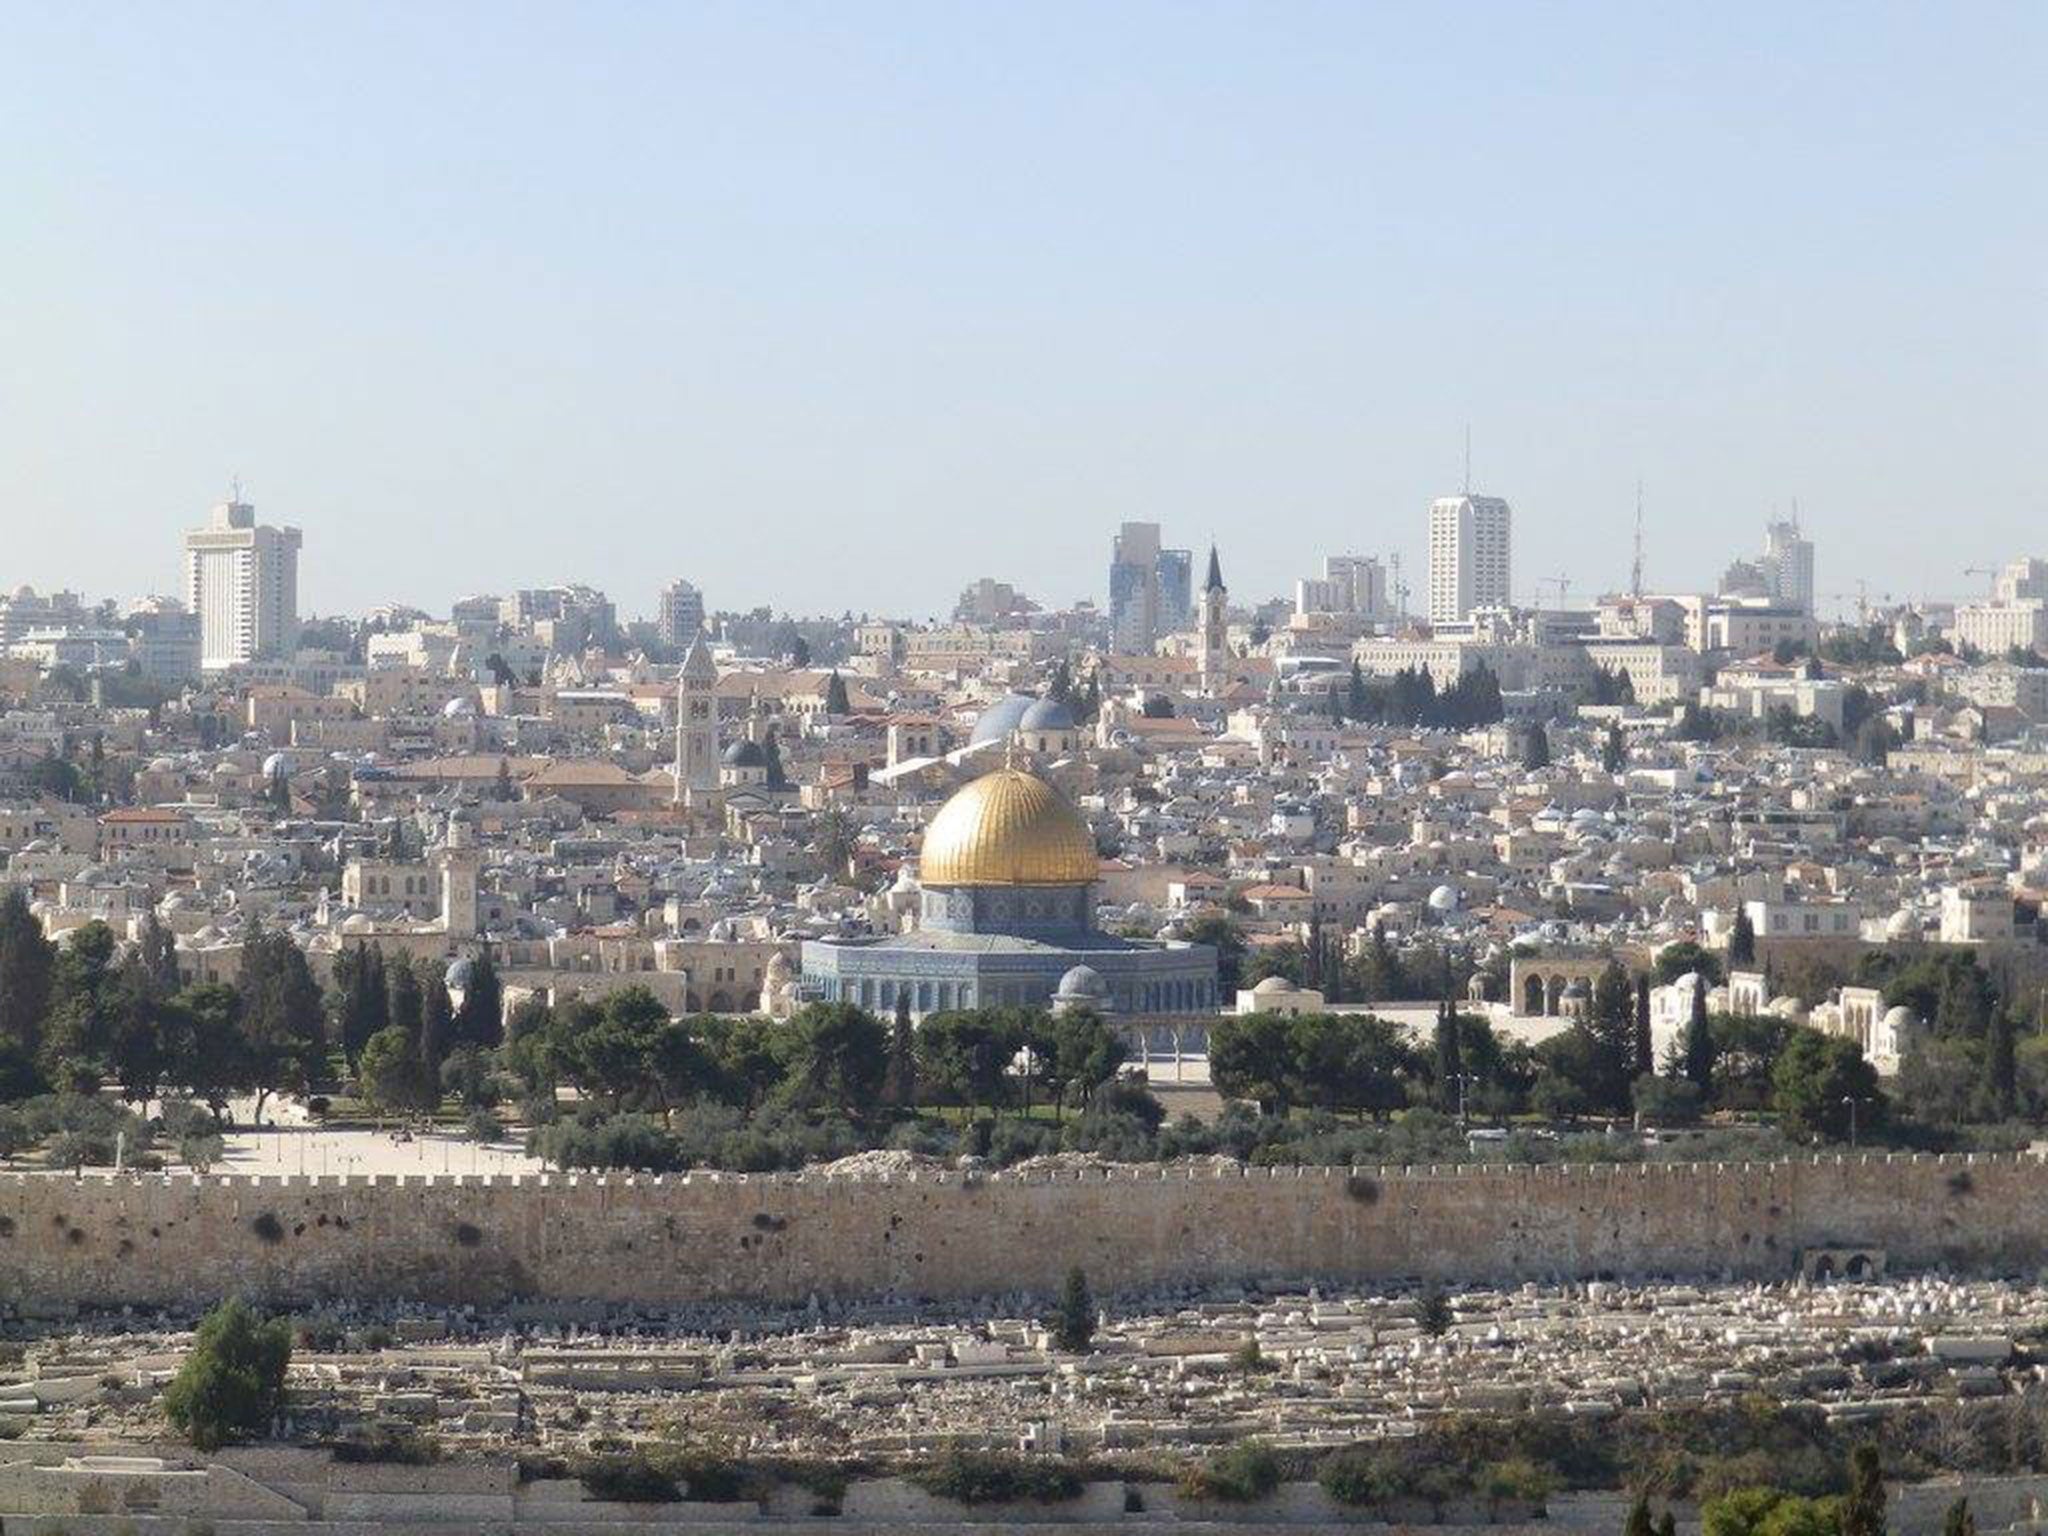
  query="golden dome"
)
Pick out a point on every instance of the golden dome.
point(1007, 828)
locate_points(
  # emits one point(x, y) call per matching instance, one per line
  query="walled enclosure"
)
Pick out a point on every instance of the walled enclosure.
point(184, 1241)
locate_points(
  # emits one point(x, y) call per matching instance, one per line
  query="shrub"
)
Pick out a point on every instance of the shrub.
point(629, 1479)
point(1240, 1475)
point(483, 1126)
point(1355, 1478)
point(1434, 1314)
point(232, 1383)
point(989, 1477)
point(1518, 1480)
point(200, 1152)
point(391, 1444)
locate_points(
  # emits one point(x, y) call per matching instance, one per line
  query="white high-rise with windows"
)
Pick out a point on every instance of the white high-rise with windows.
point(242, 582)
point(1468, 556)
point(1787, 566)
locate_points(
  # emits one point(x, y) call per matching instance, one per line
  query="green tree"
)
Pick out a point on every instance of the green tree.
point(609, 1051)
point(1074, 1327)
point(839, 1056)
point(405, 1002)
point(1697, 1049)
point(1862, 1512)
point(1742, 941)
point(1223, 935)
point(1645, 1046)
point(1822, 1086)
point(362, 1001)
point(966, 1057)
point(1077, 1053)
point(1614, 749)
point(1611, 1028)
point(2001, 1066)
point(157, 949)
point(231, 1386)
point(282, 1015)
point(437, 1020)
point(900, 1085)
point(1434, 1313)
point(78, 1030)
point(1450, 1065)
point(1536, 748)
point(392, 1078)
point(1683, 958)
point(206, 1048)
point(836, 700)
point(1251, 1056)
point(28, 964)
point(480, 1021)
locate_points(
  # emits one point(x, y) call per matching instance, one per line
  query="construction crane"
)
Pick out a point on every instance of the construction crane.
point(1979, 570)
point(1562, 583)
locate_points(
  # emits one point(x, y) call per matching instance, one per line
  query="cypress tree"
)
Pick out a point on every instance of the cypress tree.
point(1449, 1058)
point(1645, 1053)
point(1074, 1327)
point(2001, 1071)
point(1699, 1044)
point(1742, 942)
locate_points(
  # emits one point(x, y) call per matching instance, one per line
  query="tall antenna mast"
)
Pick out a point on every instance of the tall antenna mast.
point(1635, 572)
point(1468, 458)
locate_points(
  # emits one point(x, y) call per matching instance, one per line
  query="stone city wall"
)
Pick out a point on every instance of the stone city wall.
point(184, 1240)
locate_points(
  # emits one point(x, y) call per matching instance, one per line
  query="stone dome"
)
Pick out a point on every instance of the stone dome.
point(745, 754)
point(1083, 981)
point(1271, 985)
point(1443, 899)
point(1046, 715)
point(1001, 718)
point(1008, 827)
point(1901, 1019)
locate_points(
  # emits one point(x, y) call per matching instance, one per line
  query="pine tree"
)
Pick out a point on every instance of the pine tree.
point(1611, 1027)
point(1074, 1327)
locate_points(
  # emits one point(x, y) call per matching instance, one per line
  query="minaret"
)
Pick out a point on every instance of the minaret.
point(1215, 627)
point(696, 723)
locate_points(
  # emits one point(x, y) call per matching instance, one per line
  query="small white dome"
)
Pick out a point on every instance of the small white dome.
point(1271, 985)
point(1443, 899)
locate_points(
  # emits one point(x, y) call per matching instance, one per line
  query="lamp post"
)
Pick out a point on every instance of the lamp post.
point(1851, 1100)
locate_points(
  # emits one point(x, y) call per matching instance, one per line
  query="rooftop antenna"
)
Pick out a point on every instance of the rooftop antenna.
point(1468, 459)
point(235, 488)
point(1635, 573)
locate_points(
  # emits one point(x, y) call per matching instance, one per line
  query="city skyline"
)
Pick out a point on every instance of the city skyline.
point(1035, 275)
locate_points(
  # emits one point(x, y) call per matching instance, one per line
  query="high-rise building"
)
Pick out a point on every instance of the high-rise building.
point(242, 583)
point(1787, 565)
point(682, 613)
point(1468, 556)
point(1350, 584)
point(1176, 574)
point(1150, 589)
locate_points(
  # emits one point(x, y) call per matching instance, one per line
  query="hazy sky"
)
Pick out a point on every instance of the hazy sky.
point(842, 305)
